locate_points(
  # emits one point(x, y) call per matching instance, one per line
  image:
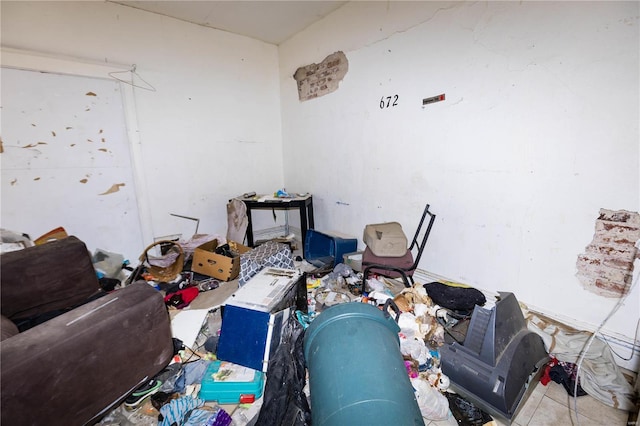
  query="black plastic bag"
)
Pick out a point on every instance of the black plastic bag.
point(465, 412)
point(458, 299)
point(285, 403)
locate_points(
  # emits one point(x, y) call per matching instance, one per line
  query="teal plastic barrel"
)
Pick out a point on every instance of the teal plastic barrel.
point(357, 374)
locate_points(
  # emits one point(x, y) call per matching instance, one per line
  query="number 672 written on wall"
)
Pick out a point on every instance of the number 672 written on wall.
point(388, 101)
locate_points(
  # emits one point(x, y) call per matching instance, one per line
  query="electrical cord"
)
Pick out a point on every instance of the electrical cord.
point(590, 341)
point(188, 360)
point(633, 345)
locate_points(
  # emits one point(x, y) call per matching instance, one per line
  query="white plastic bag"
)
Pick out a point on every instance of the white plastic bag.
point(433, 405)
point(416, 349)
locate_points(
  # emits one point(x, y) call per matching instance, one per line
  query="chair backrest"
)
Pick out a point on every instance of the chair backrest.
point(419, 240)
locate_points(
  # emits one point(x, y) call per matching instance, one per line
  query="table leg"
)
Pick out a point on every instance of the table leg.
point(249, 228)
point(310, 212)
point(303, 224)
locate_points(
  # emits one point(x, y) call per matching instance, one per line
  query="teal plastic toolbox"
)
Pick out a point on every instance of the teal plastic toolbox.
point(229, 383)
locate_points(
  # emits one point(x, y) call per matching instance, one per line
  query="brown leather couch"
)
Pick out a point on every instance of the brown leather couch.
point(76, 367)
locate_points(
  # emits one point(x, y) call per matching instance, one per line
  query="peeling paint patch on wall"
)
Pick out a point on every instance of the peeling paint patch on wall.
point(321, 79)
point(606, 266)
point(114, 188)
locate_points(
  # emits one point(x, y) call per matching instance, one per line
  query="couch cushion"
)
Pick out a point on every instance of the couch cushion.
point(45, 278)
point(7, 328)
point(77, 366)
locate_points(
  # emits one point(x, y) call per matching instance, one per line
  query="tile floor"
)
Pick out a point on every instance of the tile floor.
point(551, 406)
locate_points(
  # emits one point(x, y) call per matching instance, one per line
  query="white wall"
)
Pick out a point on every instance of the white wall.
point(539, 130)
point(67, 149)
point(209, 132)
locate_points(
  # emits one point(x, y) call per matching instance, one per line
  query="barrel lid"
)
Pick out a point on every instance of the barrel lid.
point(345, 311)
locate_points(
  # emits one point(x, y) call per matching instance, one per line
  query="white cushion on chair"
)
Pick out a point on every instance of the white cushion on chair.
point(386, 239)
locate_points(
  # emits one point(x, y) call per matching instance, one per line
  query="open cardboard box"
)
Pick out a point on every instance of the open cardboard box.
point(207, 262)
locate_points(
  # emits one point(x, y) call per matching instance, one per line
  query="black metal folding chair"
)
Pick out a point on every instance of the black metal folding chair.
point(394, 267)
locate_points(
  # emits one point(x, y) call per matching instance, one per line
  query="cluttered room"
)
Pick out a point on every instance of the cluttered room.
point(319, 213)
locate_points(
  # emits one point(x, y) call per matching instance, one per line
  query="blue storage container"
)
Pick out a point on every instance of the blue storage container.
point(254, 317)
point(357, 374)
point(250, 337)
point(230, 383)
point(323, 248)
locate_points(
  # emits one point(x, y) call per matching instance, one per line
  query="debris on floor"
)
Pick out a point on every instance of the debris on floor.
point(420, 334)
point(564, 373)
point(307, 338)
point(208, 383)
point(599, 374)
point(466, 413)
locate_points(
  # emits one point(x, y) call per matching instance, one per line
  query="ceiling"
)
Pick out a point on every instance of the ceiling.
point(270, 21)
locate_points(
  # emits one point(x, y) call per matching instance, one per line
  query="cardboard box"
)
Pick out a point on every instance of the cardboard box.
point(207, 262)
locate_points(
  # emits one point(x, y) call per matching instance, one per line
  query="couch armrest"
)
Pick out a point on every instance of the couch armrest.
point(75, 367)
point(7, 328)
point(45, 278)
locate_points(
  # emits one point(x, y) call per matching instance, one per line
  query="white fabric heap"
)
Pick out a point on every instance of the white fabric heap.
point(599, 374)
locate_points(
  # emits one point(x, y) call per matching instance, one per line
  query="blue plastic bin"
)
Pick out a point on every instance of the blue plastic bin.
point(323, 248)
